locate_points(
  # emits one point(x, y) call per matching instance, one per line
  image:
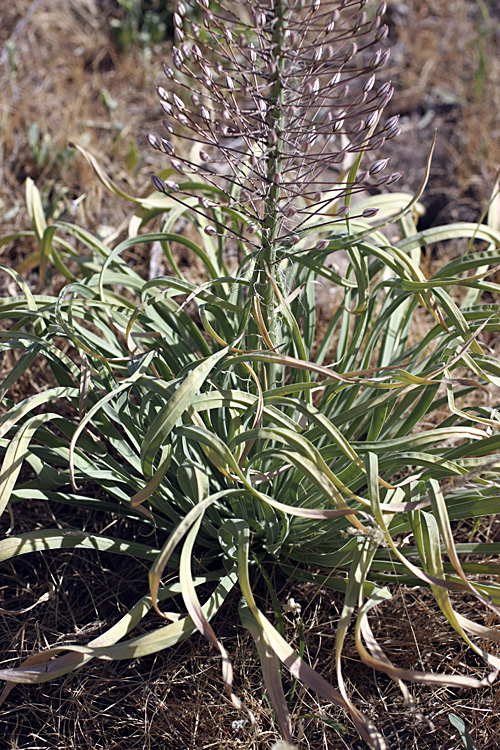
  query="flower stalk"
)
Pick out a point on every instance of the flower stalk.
point(278, 103)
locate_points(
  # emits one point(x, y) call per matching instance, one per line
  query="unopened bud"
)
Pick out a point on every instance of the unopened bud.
point(289, 212)
point(181, 9)
point(351, 52)
point(158, 184)
point(168, 126)
point(252, 228)
point(369, 212)
point(330, 24)
point(204, 114)
point(154, 141)
point(294, 239)
point(384, 89)
point(168, 71)
point(166, 146)
point(368, 85)
point(210, 230)
point(203, 202)
point(315, 5)
point(394, 177)
point(318, 53)
point(382, 9)
point(371, 120)
point(167, 108)
point(177, 20)
point(342, 210)
point(322, 245)
point(204, 4)
point(227, 35)
point(173, 186)
point(378, 166)
point(394, 132)
point(177, 59)
point(162, 93)
point(385, 56)
point(208, 19)
point(382, 32)
point(377, 143)
point(230, 83)
point(394, 120)
point(204, 156)
point(195, 29)
point(182, 119)
point(178, 102)
point(195, 99)
point(374, 60)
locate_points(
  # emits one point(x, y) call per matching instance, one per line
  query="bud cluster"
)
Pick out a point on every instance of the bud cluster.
point(280, 96)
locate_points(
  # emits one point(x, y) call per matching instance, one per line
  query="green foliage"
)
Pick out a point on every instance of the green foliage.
point(365, 436)
point(463, 731)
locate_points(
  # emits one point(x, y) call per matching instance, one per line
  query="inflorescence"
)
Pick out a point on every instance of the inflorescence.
point(275, 102)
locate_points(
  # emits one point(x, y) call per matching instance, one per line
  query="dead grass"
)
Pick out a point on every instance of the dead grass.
point(446, 69)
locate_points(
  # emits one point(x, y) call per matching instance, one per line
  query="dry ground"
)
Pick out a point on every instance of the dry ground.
point(61, 71)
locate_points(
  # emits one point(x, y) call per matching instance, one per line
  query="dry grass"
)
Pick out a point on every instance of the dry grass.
point(445, 66)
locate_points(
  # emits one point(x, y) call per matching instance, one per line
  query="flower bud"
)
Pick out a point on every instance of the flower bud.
point(369, 212)
point(382, 33)
point(167, 108)
point(178, 102)
point(394, 132)
point(158, 184)
point(173, 186)
point(162, 93)
point(368, 85)
point(166, 146)
point(371, 120)
point(378, 166)
point(394, 177)
point(168, 71)
point(176, 165)
point(322, 245)
point(168, 126)
point(154, 141)
point(210, 230)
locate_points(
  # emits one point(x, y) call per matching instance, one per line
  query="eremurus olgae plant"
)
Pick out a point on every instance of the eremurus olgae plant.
point(251, 434)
